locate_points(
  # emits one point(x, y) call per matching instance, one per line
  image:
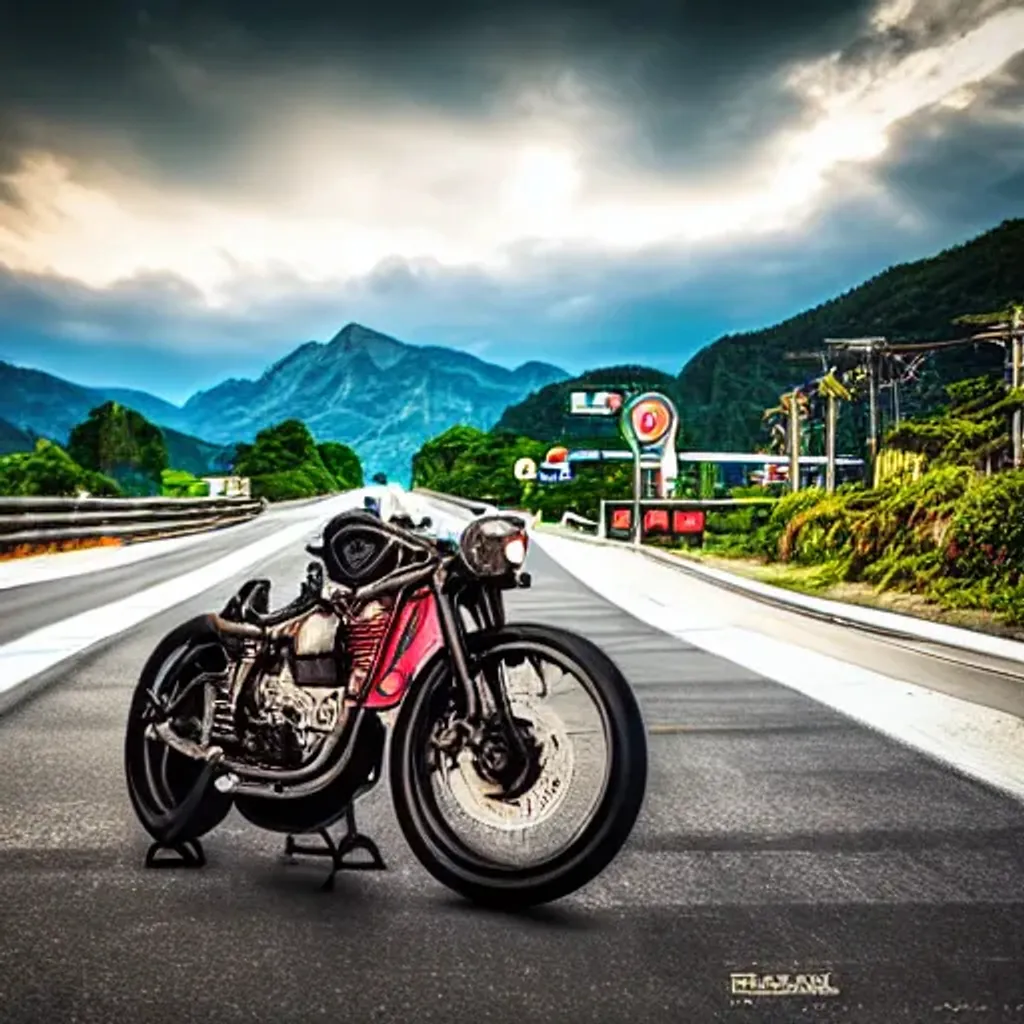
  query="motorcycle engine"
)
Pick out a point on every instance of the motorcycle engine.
point(285, 713)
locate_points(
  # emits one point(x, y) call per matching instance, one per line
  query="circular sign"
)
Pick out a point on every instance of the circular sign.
point(651, 420)
point(556, 455)
point(525, 469)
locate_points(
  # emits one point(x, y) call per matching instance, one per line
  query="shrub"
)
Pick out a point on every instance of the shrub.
point(49, 471)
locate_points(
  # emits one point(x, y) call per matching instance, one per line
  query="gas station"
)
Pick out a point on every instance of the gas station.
point(649, 423)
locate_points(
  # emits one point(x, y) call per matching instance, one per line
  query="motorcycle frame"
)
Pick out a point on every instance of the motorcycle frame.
point(434, 585)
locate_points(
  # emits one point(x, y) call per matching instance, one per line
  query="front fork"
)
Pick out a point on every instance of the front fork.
point(483, 735)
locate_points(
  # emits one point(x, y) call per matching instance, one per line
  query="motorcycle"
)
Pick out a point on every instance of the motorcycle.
point(284, 714)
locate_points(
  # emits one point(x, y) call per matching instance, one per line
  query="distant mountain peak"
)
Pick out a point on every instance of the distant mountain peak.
point(359, 335)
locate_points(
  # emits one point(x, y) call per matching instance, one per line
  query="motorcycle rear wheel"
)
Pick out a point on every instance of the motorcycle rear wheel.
point(431, 834)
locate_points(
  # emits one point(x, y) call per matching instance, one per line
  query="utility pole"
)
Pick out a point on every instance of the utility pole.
point(872, 411)
point(793, 425)
point(1015, 342)
point(830, 443)
point(638, 481)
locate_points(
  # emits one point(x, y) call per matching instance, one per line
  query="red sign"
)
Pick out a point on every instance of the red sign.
point(688, 522)
point(621, 518)
point(656, 519)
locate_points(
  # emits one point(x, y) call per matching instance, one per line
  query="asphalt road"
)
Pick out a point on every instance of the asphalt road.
point(777, 836)
point(26, 608)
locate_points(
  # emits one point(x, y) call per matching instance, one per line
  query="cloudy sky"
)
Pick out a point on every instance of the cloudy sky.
point(190, 189)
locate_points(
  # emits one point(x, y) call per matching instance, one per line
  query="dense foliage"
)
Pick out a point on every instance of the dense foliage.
point(342, 463)
point(49, 471)
point(953, 535)
point(285, 463)
point(726, 387)
point(971, 428)
point(475, 464)
point(122, 444)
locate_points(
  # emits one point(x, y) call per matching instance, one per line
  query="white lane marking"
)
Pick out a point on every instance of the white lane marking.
point(27, 656)
point(978, 741)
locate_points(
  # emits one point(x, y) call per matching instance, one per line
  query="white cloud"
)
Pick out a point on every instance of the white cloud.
point(356, 188)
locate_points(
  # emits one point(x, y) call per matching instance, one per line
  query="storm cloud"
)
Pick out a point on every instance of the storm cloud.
point(204, 186)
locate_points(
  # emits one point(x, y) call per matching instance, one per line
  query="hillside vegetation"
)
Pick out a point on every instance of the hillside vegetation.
point(117, 452)
point(946, 529)
point(48, 471)
point(726, 387)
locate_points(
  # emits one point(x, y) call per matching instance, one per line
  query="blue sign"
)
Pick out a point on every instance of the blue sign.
point(559, 474)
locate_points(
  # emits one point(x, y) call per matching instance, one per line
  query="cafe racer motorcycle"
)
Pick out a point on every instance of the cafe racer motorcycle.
point(517, 761)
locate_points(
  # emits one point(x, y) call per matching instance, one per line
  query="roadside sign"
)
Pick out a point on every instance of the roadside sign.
point(595, 403)
point(525, 469)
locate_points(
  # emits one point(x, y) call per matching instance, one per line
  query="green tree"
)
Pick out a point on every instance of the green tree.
point(284, 464)
point(433, 463)
point(122, 444)
point(473, 464)
point(342, 463)
point(49, 471)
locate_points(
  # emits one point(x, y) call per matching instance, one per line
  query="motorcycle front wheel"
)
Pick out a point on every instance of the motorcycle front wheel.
point(159, 778)
point(581, 800)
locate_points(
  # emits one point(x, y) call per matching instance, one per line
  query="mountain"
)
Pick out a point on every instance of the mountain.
point(381, 396)
point(544, 415)
point(156, 410)
point(726, 387)
point(14, 439)
point(38, 404)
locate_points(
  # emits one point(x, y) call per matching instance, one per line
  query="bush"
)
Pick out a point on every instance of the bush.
point(49, 471)
point(176, 483)
point(984, 537)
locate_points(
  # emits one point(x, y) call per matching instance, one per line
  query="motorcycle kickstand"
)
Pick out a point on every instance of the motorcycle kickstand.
point(190, 854)
point(351, 841)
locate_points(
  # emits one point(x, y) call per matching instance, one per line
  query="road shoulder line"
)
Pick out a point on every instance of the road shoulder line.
point(980, 742)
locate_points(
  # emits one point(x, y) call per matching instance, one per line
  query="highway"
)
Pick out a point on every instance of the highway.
point(778, 835)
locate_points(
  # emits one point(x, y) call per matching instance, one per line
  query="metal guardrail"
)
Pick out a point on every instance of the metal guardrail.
point(34, 522)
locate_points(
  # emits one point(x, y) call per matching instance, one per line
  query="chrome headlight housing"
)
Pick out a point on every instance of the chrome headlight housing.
point(494, 546)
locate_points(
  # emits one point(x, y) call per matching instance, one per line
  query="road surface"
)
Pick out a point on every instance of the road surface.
point(777, 836)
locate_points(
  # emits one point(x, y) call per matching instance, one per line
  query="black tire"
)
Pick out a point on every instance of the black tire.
point(152, 796)
point(610, 824)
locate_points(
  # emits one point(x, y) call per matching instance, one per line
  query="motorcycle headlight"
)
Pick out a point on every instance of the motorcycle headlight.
point(493, 546)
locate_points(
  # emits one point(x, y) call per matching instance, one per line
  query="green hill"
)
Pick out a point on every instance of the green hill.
point(726, 387)
point(195, 455)
point(14, 439)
